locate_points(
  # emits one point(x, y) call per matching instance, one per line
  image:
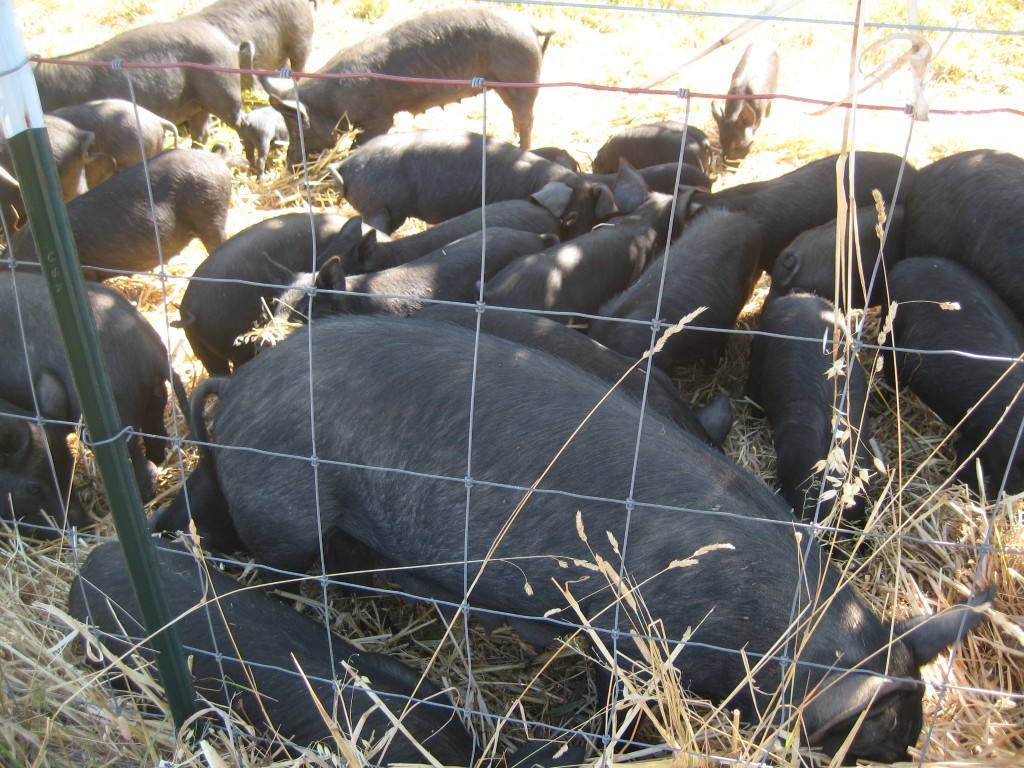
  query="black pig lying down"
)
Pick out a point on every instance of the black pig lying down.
point(806, 197)
point(809, 262)
point(710, 423)
point(231, 288)
point(713, 264)
point(582, 274)
point(268, 690)
point(395, 479)
point(789, 378)
point(35, 493)
point(134, 357)
point(969, 207)
point(943, 306)
point(451, 273)
point(541, 213)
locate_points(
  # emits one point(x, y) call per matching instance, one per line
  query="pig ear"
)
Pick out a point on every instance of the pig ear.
point(716, 111)
point(844, 699)
point(331, 276)
point(928, 636)
point(604, 202)
point(785, 270)
point(553, 197)
point(52, 396)
point(346, 242)
point(716, 418)
point(277, 271)
point(292, 111)
point(631, 191)
point(335, 171)
point(15, 442)
point(747, 116)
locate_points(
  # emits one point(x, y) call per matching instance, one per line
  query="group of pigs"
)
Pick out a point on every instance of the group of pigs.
point(497, 460)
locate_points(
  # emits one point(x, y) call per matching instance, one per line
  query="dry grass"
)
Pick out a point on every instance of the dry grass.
point(55, 712)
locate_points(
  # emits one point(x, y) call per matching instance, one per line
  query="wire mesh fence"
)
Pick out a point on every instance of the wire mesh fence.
point(531, 556)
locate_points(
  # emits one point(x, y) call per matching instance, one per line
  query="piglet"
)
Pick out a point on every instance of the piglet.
point(958, 347)
point(713, 265)
point(230, 291)
point(451, 273)
point(791, 379)
point(36, 466)
point(393, 177)
point(654, 144)
point(582, 274)
point(113, 224)
point(259, 657)
point(757, 74)
point(809, 262)
point(125, 133)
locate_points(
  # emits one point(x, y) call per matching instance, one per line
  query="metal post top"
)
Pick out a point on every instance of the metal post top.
point(17, 113)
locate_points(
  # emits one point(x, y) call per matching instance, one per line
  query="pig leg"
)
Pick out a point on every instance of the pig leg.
point(145, 470)
point(198, 128)
point(520, 102)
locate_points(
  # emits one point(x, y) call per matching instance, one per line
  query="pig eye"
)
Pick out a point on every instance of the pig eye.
point(34, 489)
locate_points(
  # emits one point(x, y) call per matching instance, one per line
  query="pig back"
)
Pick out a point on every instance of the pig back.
point(526, 406)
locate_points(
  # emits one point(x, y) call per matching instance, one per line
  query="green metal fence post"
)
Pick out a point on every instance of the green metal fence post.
point(21, 119)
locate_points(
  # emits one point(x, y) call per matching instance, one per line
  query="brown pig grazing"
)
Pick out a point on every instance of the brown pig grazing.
point(460, 43)
point(756, 74)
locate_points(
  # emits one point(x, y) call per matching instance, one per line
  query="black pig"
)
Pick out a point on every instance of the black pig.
point(73, 155)
point(178, 94)
point(804, 198)
point(942, 305)
point(133, 354)
point(710, 423)
point(714, 265)
point(118, 134)
point(756, 74)
point(230, 291)
point(542, 213)
point(36, 467)
point(969, 207)
point(581, 275)
point(395, 479)
point(451, 273)
point(661, 178)
point(254, 654)
point(266, 130)
point(789, 378)
point(654, 144)
point(809, 262)
point(280, 32)
point(393, 177)
point(459, 43)
point(113, 223)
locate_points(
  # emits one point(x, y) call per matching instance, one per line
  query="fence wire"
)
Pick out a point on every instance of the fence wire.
point(961, 566)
